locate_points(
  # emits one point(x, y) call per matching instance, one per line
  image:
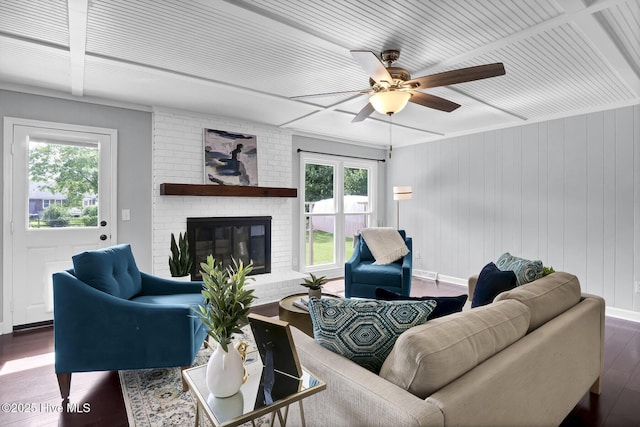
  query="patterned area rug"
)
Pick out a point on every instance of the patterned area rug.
point(154, 397)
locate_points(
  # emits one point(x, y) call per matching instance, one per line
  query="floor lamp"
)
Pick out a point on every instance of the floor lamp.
point(401, 193)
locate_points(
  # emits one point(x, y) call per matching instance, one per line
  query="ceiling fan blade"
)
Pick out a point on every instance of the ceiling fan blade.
point(433, 101)
point(372, 65)
point(457, 76)
point(346, 92)
point(364, 113)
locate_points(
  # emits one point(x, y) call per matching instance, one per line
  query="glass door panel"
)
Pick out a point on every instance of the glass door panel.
point(320, 211)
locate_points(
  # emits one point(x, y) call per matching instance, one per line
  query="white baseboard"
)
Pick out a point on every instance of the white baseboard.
point(429, 275)
point(453, 280)
point(620, 313)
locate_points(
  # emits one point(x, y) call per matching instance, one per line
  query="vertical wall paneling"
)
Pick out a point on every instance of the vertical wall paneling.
point(508, 227)
point(565, 191)
point(555, 194)
point(636, 198)
point(446, 197)
point(609, 223)
point(595, 204)
point(473, 207)
point(489, 196)
point(543, 185)
point(575, 195)
point(624, 209)
point(517, 191)
point(499, 199)
point(530, 191)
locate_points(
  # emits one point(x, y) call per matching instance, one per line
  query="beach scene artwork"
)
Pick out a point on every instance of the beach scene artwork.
point(230, 158)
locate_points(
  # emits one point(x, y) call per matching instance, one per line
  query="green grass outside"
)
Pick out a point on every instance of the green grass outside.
point(323, 248)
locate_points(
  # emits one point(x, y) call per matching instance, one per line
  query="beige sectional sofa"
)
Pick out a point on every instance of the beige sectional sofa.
point(525, 359)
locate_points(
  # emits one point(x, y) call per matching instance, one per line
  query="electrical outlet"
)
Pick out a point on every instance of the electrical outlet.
point(638, 287)
point(417, 254)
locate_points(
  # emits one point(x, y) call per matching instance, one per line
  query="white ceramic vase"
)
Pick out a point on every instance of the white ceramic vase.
point(225, 372)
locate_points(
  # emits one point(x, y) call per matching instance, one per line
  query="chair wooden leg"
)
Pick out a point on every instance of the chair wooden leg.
point(185, 386)
point(64, 382)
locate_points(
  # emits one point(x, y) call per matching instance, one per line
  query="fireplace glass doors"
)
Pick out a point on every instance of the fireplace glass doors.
point(244, 239)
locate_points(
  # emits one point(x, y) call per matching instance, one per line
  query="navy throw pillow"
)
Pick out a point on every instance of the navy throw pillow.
point(444, 305)
point(491, 282)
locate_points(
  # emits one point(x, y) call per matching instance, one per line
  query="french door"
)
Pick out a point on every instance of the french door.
point(59, 199)
point(338, 200)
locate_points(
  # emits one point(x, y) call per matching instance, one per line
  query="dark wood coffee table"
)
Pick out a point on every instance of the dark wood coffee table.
point(297, 316)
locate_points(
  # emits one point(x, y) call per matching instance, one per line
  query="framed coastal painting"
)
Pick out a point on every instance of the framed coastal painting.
point(230, 158)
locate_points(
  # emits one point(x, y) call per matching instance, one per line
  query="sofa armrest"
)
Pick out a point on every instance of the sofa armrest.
point(356, 396)
point(154, 285)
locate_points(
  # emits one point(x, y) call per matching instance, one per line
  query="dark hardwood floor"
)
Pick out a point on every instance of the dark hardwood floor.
point(29, 390)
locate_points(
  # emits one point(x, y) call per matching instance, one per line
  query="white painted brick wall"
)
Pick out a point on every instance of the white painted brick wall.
point(178, 158)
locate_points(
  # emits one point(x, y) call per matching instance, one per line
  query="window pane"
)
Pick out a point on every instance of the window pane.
point(63, 185)
point(356, 190)
point(319, 238)
point(318, 187)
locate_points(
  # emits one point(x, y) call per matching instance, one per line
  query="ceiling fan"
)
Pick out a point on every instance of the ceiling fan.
point(393, 87)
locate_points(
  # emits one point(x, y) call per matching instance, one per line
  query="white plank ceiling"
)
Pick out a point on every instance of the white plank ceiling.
point(243, 59)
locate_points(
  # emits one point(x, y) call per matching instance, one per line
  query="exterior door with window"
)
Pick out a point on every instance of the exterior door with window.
point(61, 201)
point(338, 202)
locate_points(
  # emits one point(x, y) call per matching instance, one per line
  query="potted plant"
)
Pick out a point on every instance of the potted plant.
point(315, 285)
point(180, 261)
point(225, 311)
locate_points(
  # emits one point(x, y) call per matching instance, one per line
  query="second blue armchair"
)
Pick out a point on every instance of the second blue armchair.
point(362, 276)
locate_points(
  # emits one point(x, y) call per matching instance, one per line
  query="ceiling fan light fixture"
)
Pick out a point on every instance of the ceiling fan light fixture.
point(390, 102)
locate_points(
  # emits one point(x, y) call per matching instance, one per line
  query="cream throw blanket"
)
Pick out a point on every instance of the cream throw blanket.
point(385, 243)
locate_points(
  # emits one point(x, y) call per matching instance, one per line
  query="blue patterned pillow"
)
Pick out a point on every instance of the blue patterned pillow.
point(526, 271)
point(364, 331)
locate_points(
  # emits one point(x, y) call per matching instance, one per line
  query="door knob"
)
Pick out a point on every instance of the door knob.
point(103, 223)
point(103, 237)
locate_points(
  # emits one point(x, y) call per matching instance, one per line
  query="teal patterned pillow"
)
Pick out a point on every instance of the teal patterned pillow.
point(364, 331)
point(526, 271)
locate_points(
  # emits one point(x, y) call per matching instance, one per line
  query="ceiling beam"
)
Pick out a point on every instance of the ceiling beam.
point(77, 12)
point(601, 40)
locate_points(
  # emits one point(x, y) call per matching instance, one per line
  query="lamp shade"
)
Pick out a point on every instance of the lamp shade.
point(389, 102)
point(402, 193)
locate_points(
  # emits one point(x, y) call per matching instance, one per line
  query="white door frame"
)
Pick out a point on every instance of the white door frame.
point(6, 325)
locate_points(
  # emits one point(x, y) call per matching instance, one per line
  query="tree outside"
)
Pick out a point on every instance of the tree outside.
point(69, 170)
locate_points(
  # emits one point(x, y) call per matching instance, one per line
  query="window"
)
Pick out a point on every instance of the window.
point(63, 176)
point(337, 202)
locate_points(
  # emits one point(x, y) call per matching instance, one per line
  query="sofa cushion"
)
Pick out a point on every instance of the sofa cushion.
point(364, 331)
point(112, 270)
point(387, 275)
point(430, 356)
point(444, 305)
point(546, 297)
point(182, 300)
point(491, 282)
point(526, 271)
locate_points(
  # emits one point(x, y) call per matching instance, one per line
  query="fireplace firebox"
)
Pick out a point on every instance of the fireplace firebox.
point(227, 238)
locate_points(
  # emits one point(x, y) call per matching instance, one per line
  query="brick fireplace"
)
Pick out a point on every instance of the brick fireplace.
point(178, 158)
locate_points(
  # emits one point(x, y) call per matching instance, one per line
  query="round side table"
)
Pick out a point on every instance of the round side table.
point(297, 316)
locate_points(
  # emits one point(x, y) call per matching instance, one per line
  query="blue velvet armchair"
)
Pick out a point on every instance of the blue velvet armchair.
point(362, 276)
point(109, 316)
